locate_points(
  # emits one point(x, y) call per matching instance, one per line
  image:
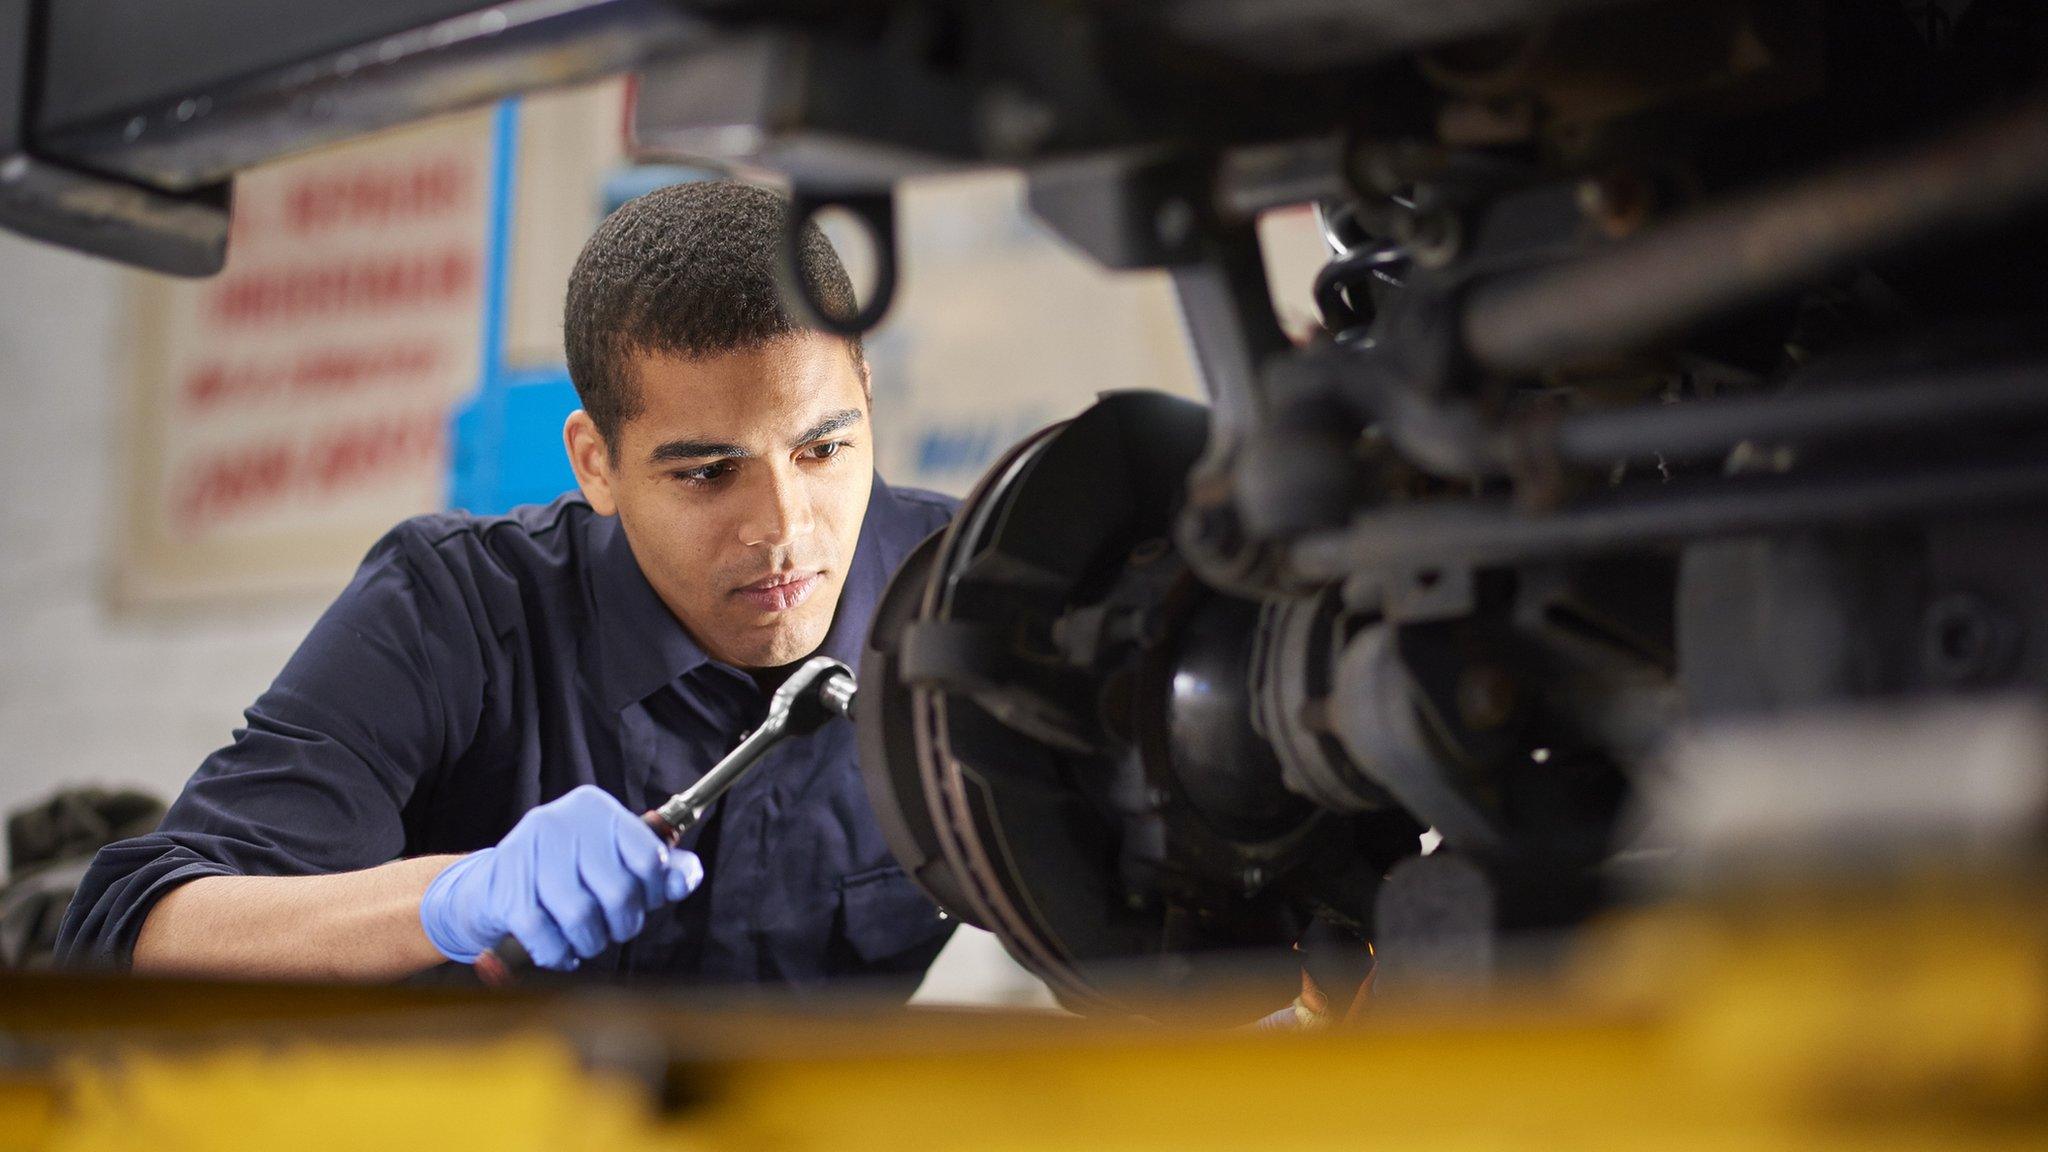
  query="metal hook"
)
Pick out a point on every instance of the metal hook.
point(877, 213)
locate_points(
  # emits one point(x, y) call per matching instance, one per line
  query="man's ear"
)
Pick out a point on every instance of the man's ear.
point(591, 459)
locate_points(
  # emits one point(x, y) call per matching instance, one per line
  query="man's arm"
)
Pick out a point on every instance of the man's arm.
point(275, 861)
point(385, 691)
point(573, 877)
point(349, 926)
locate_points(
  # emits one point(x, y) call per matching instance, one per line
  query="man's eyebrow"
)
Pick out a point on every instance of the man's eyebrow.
point(839, 421)
point(693, 450)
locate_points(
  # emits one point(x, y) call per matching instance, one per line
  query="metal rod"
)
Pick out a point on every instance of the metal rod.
point(1405, 538)
point(1450, 439)
point(1708, 429)
point(1725, 257)
point(685, 809)
point(818, 691)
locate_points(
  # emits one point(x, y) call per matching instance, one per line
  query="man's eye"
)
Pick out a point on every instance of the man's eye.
point(827, 450)
point(708, 474)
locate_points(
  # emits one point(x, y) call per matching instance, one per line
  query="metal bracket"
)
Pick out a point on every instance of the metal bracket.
point(877, 213)
point(184, 234)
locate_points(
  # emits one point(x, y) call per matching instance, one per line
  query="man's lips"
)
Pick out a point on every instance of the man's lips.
point(782, 591)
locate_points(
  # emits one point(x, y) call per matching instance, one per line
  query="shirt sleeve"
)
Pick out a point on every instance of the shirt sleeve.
point(385, 689)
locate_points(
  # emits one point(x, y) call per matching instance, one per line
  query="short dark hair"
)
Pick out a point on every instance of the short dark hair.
point(687, 270)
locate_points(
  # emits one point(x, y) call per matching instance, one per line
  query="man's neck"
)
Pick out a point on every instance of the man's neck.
point(769, 679)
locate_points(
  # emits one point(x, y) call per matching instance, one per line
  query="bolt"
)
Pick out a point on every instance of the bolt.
point(1966, 639)
point(1433, 239)
point(1750, 457)
point(1148, 551)
point(1175, 222)
point(1618, 204)
point(1013, 124)
point(1486, 697)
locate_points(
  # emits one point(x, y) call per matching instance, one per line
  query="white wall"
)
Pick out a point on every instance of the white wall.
point(85, 697)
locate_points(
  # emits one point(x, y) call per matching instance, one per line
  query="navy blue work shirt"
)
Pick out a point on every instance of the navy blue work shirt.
point(477, 667)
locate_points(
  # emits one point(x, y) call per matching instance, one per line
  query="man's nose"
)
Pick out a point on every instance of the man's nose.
point(780, 512)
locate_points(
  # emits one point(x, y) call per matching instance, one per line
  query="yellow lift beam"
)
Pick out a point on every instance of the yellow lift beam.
point(1796, 1020)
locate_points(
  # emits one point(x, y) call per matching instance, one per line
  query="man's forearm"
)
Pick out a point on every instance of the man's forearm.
point(349, 926)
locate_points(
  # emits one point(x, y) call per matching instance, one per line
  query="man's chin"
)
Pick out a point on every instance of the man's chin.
point(777, 644)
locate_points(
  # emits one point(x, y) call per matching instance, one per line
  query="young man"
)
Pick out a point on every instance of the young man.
point(460, 747)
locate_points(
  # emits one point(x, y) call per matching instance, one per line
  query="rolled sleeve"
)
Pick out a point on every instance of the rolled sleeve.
point(319, 779)
point(125, 881)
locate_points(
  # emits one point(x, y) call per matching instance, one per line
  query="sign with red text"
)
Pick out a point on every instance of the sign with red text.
point(290, 410)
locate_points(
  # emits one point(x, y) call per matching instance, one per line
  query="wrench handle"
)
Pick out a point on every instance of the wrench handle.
point(669, 833)
point(504, 963)
point(823, 685)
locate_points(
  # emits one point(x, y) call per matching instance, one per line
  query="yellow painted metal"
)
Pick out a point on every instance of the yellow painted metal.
point(512, 1094)
point(28, 1113)
point(1803, 1020)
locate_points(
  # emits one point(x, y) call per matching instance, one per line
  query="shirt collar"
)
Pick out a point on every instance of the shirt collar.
point(644, 648)
point(866, 579)
point(642, 645)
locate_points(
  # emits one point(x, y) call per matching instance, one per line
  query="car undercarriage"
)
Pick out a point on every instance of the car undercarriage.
point(1679, 408)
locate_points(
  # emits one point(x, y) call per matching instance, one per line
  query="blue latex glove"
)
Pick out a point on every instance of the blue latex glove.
point(573, 877)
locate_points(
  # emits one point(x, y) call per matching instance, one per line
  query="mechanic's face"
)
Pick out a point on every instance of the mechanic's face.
point(741, 485)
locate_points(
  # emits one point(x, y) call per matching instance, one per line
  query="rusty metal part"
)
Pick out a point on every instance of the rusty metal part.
point(1922, 403)
point(1704, 266)
point(1376, 712)
point(1416, 536)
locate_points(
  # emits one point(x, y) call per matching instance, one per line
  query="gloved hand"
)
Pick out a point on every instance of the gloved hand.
point(572, 877)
